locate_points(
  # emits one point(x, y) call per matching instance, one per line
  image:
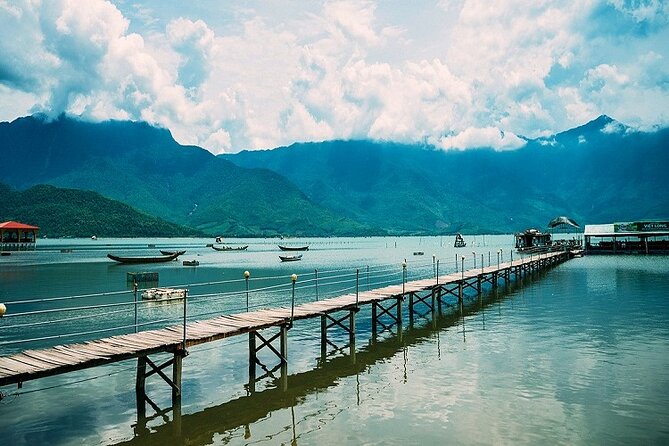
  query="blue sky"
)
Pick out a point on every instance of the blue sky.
point(259, 74)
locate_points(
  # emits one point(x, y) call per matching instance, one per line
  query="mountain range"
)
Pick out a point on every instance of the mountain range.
point(144, 167)
point(600, 172)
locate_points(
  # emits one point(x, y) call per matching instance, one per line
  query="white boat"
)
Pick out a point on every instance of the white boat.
point(164, 293)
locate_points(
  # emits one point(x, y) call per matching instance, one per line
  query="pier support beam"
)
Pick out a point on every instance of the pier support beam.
point(379, 311)
point(174, 382)
point(256, 343)
point(327, 321)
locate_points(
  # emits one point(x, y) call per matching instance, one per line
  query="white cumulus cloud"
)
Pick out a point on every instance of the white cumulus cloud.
point(261, 75)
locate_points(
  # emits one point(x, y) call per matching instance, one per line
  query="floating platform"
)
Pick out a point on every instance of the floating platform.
point(164, 293)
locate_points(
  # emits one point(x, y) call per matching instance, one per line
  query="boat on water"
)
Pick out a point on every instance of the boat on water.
point(164, 293)
point(291, 258)
point(418, 253)
point(294, 248)
point(170, 253)
point(160, 259)
point(230, 248)
point(459, 241)
point(191, 263)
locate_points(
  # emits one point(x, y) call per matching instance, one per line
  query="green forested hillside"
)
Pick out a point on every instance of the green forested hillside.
point(143, 166)
point(68, 212)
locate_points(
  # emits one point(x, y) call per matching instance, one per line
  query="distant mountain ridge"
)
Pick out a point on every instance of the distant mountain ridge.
point(144, 167)
point(600, 172)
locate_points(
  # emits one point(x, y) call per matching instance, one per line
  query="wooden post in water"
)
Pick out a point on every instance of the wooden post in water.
point(351, 334)
point(176, 378)
point(461, 299)
point(324, 334)
point(374, 318)
point(140, 389)
point(252, 361)
point(284, 356)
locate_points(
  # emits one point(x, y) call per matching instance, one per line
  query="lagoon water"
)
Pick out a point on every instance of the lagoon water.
point(576, 355)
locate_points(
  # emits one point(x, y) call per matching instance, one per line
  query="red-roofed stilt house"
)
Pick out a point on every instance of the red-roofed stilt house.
point(15, 236)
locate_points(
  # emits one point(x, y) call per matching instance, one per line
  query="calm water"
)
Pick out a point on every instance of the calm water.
point(578, 355)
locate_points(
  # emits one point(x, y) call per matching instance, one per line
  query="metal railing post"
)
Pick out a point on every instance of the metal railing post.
point(246, 278)
point(135, 292)
point(185, 313)
point(316, 274)
point(293, 279)
point(404, 274)
point(357, 286)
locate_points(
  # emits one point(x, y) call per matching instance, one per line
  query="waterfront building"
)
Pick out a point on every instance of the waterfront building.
point(639, 237)
point(15, 236)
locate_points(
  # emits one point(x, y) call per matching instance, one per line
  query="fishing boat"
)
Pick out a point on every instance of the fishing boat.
point(191, 263)
point(294, 248)
point(418, 253)
point(291, 258)
point(230, 248)
point(459, 241)
point(170, 253)
point(163, 293)
point(144, 259)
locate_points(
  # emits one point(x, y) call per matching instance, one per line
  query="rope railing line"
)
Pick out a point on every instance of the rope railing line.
point(323, 283)
point(56, 321)
point(77, 296)
point(371, 277)
point(63, 309)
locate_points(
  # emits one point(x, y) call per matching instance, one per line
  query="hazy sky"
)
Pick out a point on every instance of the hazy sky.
point(229, 75)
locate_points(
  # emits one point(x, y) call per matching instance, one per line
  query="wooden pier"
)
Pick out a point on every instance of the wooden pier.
point(387, 304)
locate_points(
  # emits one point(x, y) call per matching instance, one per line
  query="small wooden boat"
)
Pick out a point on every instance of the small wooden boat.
point(230, 248)
point(163, 293)
point(171, 253)
point(294, 248)
point(418, 253)
point(291, 258)
point(191, 263)
point(144, 259)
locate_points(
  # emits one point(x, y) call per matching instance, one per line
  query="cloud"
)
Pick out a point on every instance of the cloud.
point(232, 77)
point(481, 138)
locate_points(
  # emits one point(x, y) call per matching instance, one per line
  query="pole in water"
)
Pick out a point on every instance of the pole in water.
point(481, 263)
point(463, 267)
point(474, 255)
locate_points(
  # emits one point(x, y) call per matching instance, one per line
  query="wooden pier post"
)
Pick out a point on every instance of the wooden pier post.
point(140, 389)
point(253, 360)
point(374, 319)
point(284, 356)
point(176, 377)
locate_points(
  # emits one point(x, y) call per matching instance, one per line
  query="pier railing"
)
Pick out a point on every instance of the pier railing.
point(47, 321)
